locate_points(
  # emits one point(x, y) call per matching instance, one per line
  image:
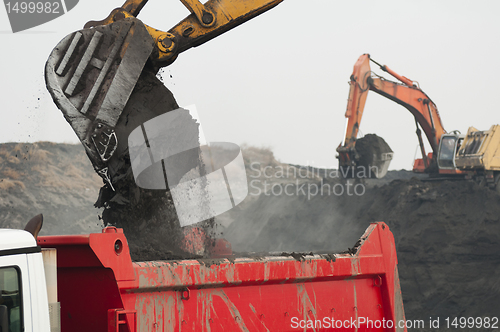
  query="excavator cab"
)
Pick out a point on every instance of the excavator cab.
point(448, 147)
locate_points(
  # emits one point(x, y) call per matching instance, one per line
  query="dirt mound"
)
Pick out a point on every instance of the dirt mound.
point(54, 179)
point(448, 240)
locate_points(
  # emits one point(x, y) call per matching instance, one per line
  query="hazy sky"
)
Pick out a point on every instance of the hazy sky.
point(280, 80)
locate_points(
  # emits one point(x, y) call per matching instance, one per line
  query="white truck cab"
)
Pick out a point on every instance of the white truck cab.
point(24, 304)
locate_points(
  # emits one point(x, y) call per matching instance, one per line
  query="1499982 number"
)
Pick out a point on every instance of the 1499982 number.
point(33, 7)
point(471, 322)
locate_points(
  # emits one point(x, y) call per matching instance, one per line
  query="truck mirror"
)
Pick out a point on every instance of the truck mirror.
point(34, 225)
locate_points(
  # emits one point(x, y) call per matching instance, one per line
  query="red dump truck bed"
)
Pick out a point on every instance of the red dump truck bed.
point(101, 289)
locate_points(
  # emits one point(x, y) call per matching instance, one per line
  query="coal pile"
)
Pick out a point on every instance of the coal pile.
point(448, 240)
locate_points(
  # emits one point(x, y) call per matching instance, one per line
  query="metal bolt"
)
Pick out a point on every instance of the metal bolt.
point(118, 16)
point(166, 42)
point(207, 18)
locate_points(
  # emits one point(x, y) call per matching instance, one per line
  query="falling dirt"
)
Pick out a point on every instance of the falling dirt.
point(148, 217)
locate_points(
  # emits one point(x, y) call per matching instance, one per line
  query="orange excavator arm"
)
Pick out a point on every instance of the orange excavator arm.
point(406, 93)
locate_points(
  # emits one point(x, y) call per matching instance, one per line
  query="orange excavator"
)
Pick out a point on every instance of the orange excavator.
point(409, 95)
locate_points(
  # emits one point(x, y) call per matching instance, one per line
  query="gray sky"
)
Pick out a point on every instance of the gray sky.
point(280, 80)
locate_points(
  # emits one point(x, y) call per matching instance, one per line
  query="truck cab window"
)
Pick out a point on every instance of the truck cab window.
point(10, 300)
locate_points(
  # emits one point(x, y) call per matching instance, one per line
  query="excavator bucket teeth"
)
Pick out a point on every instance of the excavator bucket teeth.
point(374, 154)
point(91, 74)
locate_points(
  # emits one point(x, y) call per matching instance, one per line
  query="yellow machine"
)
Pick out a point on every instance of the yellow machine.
point(479, 155)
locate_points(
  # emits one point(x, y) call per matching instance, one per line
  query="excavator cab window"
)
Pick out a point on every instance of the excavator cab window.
point(447, 150)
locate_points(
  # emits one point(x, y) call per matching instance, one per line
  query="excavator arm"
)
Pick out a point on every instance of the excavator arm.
point(406, 93)
point(93, 73)
point(206, 22)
